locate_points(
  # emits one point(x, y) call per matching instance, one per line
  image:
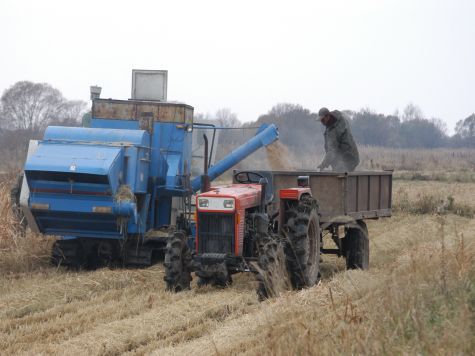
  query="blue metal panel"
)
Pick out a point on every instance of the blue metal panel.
point(173, 142)
point(142, 170)
point(115, 124)
point(81, 204)
point(77, 159)
point(89, 159)
point(140, 226)
point(132, 167)
point(95, 135)
point(164, 211)
point(89, 225)
point(99, 191)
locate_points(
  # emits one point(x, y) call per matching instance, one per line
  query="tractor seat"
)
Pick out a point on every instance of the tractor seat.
point(255, 178)
point(269, 191)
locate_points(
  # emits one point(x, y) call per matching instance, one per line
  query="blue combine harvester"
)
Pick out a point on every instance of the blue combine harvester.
point(116, 190)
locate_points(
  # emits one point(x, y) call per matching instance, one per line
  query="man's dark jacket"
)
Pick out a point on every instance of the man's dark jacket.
point(340, 149)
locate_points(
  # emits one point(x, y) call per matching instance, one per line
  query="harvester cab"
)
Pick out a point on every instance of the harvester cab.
point(116, 190)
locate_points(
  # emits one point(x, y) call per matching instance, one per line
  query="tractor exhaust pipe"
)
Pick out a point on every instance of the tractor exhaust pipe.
point(263, 183)
point(205, 180)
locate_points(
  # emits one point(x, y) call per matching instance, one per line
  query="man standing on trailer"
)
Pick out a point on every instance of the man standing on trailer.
point(341, 152)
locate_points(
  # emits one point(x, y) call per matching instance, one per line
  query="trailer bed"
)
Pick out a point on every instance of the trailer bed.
point(360, 195)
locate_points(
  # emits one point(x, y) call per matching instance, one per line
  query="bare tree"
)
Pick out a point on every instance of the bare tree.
point(466, 128)
point(412, 112)
point(226, 118)
point(282, 109)
point(33, 106)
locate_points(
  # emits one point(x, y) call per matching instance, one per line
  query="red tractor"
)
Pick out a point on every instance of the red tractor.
point(236, 231)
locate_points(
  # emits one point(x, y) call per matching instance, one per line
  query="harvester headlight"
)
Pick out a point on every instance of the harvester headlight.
point(228, 204)
point(203, 203)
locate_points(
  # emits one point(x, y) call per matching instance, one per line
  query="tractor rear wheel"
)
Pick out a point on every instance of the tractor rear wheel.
point(177, 263)
point(302, 230)
point(356, 247)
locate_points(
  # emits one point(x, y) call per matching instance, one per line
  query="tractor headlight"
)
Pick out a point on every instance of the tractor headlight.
point(203, 203)
point(228, 204)
point(223, 204)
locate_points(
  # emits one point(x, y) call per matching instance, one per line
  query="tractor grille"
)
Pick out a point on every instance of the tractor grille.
point(216, 233)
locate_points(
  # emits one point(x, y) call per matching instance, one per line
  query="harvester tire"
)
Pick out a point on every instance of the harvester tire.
point(177, 263)
point(69, 253)
point(302, 232)
point(356, 247)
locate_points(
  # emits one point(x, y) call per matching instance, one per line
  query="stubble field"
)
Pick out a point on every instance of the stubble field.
point(417, 297)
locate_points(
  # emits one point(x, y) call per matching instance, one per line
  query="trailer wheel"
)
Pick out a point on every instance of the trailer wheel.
point(356, 247)
point(302, 230)
point(177, 263)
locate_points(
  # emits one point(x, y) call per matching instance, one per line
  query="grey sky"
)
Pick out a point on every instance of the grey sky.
point(250, 55)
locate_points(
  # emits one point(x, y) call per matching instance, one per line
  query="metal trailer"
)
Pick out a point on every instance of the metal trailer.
point(359, 195)
point(344, 199)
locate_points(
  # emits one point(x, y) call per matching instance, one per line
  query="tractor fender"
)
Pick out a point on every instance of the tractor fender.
point(293, 193)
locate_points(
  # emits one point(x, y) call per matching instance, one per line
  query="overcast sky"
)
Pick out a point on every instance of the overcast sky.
point(250, 55)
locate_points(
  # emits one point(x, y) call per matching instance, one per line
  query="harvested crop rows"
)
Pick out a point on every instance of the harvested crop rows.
point(415, 298)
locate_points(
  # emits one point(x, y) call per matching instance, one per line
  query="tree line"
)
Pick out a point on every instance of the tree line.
point(27, 108)
point(299, 128)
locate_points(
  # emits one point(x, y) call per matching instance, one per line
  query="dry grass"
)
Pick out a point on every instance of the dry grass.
point(435, 197)
point(18, 253)
point(418, 160)
point(415, 300)
point(418, 297)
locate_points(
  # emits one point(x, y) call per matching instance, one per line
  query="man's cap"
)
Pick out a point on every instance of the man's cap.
point(323, 112)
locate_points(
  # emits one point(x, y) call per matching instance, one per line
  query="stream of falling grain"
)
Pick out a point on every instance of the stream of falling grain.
point(278, 157)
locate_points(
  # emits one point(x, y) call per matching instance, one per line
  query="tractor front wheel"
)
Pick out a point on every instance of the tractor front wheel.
point(177, 263)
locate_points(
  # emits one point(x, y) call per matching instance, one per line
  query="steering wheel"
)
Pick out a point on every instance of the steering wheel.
point(244, 177)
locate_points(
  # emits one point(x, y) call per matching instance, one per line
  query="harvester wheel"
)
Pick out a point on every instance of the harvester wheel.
point(302, 230)
point(69, 253)
point(177, 263)
point(356, 247)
